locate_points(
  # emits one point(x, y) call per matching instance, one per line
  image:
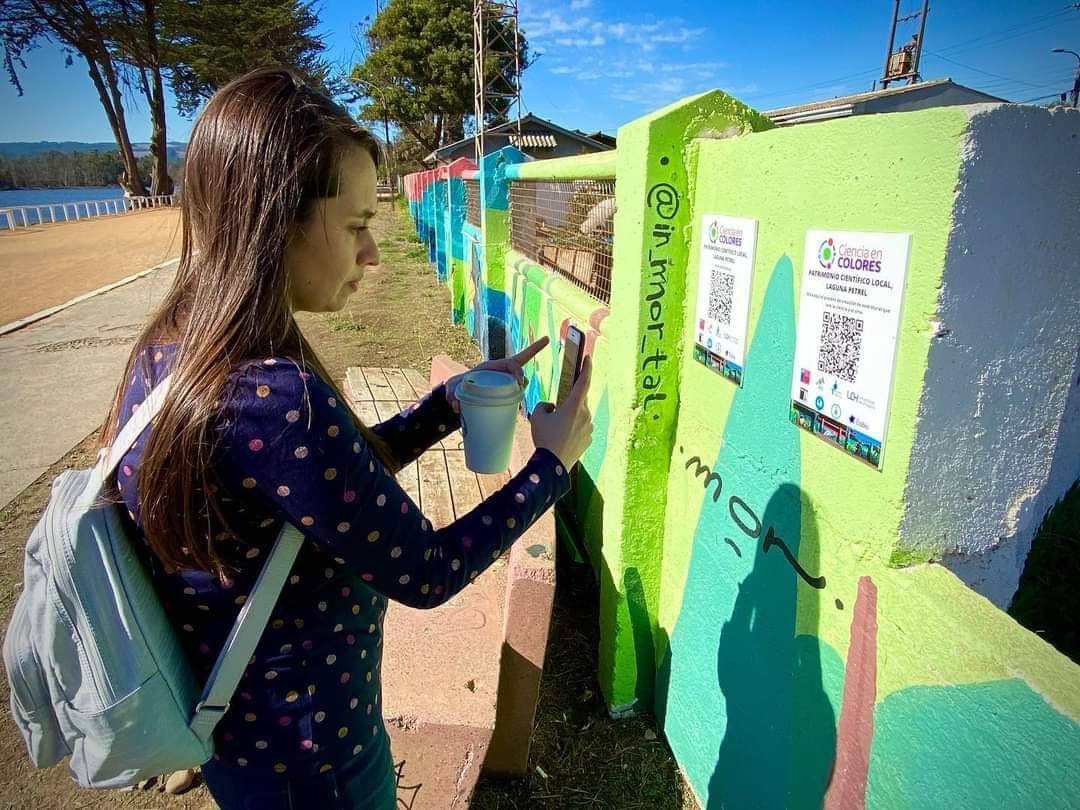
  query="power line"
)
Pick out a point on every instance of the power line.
point(963, 44)
point(985, 72)
point(1054, 18)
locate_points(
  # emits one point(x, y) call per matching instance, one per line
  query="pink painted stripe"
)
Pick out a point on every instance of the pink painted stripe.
point(847, 788)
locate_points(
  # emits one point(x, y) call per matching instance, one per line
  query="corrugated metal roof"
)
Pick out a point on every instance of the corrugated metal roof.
point(845, 105)
point(533, 140)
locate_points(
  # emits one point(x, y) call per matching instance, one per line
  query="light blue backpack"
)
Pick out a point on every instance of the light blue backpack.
point(95, 668)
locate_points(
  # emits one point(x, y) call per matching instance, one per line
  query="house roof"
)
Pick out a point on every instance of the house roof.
point(845, 105)
point(533, 135)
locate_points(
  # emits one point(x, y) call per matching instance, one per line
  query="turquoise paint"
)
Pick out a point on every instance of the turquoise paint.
point(495, 190)
point(593, 459)
point(971, 746)
point(427, 220)
point(734, 726)
point(499, 315)
point(457, 218)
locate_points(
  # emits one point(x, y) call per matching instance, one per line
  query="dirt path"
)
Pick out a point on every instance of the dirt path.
point(47, 265)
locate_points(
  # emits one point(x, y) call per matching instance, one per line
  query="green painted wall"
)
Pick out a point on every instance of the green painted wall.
point(753, 658)
point(874, 683)
point(652, 221)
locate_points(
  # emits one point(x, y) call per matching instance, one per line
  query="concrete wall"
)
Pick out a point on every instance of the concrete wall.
point(773, 600)
point(849, 669)
point(996, 441)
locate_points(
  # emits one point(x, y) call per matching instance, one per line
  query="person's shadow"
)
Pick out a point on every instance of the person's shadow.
point(763, 733)
point(780, 738)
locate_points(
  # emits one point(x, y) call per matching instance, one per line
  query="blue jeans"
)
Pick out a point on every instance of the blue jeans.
point(365, 782)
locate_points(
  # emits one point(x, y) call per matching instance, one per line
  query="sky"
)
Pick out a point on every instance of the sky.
point(601, 63)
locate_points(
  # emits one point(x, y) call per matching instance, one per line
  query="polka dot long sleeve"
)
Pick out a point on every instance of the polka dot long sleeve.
point(289, 441)
point(414, 430)
point(310, 698)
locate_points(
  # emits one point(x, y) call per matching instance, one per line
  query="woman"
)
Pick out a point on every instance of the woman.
point(279, 191)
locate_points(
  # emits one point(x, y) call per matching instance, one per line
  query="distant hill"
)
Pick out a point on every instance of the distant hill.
point(29, 148)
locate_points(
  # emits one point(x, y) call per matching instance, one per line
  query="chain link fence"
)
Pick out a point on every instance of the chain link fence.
point(568, 227)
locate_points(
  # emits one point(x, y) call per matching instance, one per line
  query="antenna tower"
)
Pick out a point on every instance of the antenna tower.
point(495, 41)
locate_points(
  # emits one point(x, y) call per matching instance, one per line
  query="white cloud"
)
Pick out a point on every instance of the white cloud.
point(653, 94)
point(576, 5)
point(581, 42)
point(564, 70)
point(552, 22)
point(684, 67)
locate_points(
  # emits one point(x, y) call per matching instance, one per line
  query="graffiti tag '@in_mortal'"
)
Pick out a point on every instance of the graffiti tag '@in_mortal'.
point(749, 523)
point(663, 202)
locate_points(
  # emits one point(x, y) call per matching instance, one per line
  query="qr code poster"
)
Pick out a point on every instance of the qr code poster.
point(845, 350)
point(723, 302)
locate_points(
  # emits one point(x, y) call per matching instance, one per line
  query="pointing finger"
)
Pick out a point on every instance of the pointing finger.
point(529, 352)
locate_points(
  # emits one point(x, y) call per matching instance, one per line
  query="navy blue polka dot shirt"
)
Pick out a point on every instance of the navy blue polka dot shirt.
point(289, 451)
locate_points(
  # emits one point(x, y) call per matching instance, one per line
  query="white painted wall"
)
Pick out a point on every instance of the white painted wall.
point(998, 435)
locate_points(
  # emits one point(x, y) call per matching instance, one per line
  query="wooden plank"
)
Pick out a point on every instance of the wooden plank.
point(387, 409)
point(376, 380)
point(356, 386)
point(492, 483)
point(409, 480)
point(367, 413)
point(418, 381)
point(435, 489)
point(403, 390)
point(464, 487)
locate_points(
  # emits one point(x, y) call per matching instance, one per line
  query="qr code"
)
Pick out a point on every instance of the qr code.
point(723, 284)
point(841, 345)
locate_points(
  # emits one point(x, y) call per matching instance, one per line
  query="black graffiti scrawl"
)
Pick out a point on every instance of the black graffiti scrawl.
point(662, 203)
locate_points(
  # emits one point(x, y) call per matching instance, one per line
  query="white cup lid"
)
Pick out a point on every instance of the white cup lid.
point(484, 385)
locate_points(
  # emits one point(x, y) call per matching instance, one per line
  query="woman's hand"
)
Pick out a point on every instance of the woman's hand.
point(513, 366)
point(566, 430)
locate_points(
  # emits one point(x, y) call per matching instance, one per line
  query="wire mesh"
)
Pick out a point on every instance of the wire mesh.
point(567, 227)
point(472, 202)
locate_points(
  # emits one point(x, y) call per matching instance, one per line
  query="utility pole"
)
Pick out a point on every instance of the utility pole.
point(1075, 94)
point(495, 37)
point(904, 63)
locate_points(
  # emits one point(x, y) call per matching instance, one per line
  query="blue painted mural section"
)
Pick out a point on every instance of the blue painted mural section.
point(438, 229)
point(456, 220)
point(738, 734)
point(494, 189)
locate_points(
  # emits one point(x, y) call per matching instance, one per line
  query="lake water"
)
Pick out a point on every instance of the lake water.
point(44, 196)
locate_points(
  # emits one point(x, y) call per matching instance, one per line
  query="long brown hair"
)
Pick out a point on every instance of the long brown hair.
point(264, 150)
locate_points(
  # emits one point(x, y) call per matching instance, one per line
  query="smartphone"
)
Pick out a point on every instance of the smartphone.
point(573, 352)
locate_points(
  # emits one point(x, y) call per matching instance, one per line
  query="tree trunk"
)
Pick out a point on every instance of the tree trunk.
point(126, 152)
point(132, 182)
point(155, 94)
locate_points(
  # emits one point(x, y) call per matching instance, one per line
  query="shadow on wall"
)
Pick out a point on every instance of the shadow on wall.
point(775, 723)
point(759, 729)
point(778, 714)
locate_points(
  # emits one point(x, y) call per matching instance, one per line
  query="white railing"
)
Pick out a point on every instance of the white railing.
point(19, 216)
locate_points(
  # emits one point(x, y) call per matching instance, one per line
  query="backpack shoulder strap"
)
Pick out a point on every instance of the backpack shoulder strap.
point(133, 428)
point(245, 633)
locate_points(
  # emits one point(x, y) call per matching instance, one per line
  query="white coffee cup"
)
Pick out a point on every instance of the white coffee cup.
point(489, 408)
